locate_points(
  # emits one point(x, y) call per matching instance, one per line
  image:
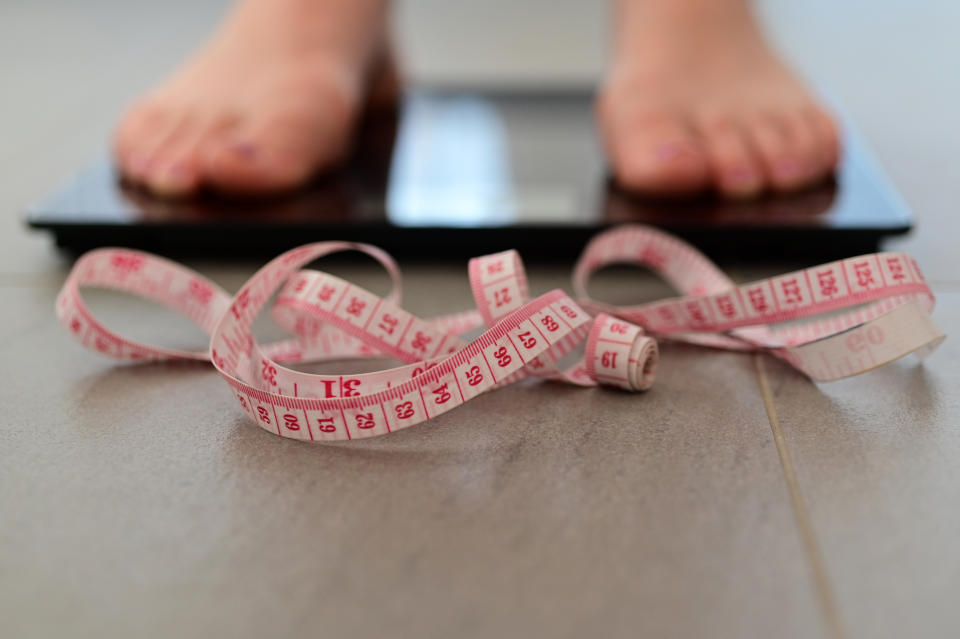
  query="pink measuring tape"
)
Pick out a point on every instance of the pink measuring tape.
point(867, 311)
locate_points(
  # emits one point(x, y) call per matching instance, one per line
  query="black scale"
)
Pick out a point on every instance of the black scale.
point(456, 174)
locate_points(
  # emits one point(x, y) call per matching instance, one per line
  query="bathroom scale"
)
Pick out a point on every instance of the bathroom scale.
point(458, 174)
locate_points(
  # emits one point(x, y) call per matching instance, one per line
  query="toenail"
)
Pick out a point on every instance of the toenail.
point(670, 151)
point(139, 166)
point(171, 178)
point(740, 181)
point(743, 175)
point(245, 149)
point(787, 169)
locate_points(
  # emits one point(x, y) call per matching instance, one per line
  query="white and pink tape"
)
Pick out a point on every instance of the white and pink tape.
point(857, 314)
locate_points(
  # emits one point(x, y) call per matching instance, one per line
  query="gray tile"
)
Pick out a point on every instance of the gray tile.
point(876, 461)
point(140, 500)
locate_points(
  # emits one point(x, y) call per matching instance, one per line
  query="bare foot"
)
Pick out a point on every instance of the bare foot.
point(696, 99)
point(270, 100)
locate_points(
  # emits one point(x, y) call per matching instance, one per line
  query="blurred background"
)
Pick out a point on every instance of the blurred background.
point(553, 44)
point(70, 67)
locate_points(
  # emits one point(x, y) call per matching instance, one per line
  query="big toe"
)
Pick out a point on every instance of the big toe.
point(658, 155)
point(176, 168)
point(273, 153)
point(141, 131)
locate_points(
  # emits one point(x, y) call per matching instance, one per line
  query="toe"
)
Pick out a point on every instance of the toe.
point(177, 167)
point(169, 171)
point(275, 153)
point(137, 136)
point(826, 137)
point(149, 157)
point(736, 171)
point(805, 147)
point(658, 155)
point(780, 154)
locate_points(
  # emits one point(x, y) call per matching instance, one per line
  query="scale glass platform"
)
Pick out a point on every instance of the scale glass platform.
point(453, 174)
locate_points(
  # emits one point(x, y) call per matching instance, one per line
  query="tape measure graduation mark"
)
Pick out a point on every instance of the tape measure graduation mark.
point(884, 300)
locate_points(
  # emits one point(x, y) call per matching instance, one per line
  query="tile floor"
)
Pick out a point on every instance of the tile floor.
point(696, 510)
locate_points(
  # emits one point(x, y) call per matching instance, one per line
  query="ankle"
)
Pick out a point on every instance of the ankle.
point(680, 12)
point(651, 32)
point(340, 30)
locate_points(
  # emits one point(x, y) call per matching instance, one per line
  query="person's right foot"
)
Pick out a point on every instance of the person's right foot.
point(272, 99)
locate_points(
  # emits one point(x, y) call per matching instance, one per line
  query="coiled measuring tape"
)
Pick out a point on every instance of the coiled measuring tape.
point(859, 313)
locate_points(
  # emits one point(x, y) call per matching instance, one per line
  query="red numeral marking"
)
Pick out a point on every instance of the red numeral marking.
point(350, 387)
point(326, 292)
point(474, 376)
point(896, 268)
point(365, 420)
point(264, 417)
point(326, 425)
point(528, 340)
point(269, 373)
point(856, 342)
point(726, 306)
point(503, 358)
point(420, 341)
point(420, 371)
point(609, 359)
point(290, 421)
point(617, 327)
point(355, 307)
point(243, 300)
point(388, 323)
point(696, 313)
point(404, 410)
point(791, 291)
point(442, 394)
point(666, 313)
point(550, 323)
point(496, 267)
point(653, 257)
point(502, 297)
point(127, 262)
point(758, 300)
point(864, 274)
point(827, 282)
point(569, 312)
point(201, 291)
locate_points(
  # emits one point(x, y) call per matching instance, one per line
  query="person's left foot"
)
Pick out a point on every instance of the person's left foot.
point(697, 100)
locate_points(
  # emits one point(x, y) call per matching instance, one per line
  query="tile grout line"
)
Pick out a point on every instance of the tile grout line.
point(824, 590)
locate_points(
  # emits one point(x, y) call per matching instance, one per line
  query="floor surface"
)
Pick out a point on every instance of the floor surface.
point(139, 501)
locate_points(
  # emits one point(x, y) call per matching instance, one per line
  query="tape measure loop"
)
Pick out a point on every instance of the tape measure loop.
point(855, 314)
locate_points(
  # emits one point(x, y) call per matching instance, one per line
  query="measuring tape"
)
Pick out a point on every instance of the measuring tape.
point(859, 313)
